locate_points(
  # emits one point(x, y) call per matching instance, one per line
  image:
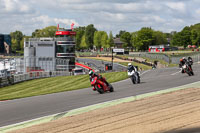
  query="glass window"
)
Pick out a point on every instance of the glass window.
point(65, 49)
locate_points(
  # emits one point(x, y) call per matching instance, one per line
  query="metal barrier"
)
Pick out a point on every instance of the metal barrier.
point(176, 60)
point(4, 81)
point(152, 56)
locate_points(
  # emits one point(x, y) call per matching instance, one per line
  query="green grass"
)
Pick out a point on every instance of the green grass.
point(53, 85)
point(144, 67)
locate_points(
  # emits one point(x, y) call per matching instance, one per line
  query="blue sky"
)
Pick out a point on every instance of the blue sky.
point(106, 15)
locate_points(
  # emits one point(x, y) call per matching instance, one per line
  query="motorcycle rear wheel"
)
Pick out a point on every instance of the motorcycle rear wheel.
point(138, 79)
point(111, 88)
point(133, 80)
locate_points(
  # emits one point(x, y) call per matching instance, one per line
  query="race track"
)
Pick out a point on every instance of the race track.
point(19, 110)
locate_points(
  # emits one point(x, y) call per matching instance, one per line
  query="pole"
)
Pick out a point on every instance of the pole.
point(112, 59)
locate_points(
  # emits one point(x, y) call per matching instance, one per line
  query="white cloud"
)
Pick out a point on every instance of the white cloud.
point(115, 15)
point(15, 7)
point(178, 6)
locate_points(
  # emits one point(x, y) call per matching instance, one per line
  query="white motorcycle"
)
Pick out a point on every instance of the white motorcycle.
point(134, 76)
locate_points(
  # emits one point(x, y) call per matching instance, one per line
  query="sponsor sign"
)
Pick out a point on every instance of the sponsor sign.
point(118, 50)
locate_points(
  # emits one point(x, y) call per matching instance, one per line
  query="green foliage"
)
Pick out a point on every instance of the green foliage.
point(110, 40)
point(16, 38)
point(46, 32)
point(160, 38)
point(145, 38)
point(188, 36)
point(120, 33)
point(98, 39)
point(126, 38)
point(80, 31)
point(83, 44)
point(89, 35)
point(104, 40)
point(177, 40)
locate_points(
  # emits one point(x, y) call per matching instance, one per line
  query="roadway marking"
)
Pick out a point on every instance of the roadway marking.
point(175, 73)
point(145, 72)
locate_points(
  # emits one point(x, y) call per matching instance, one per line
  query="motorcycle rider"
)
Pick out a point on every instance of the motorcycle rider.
point(133, 68)
point(92, 74)
point(183, 61)
point(190, 62)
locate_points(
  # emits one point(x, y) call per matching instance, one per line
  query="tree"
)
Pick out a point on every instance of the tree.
point(89, 35)
point(16, 38)
point(186, 33)
point(134, 40)
point(98, 38)
point(145, 38)
point(46, 32)
point(110, 40)
point(120, 33)
point(80, 31)
point(83, 44)
point(126, 38)
point(177, 39)
point(104, 40)
point(160, 38)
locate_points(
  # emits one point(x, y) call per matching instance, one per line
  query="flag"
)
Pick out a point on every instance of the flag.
point(58, 27)
point(72, 25)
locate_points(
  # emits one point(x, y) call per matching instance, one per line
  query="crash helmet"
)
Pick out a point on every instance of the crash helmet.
point(91, 72)
point(189, 58)
point(181, 59)
point(129, 64)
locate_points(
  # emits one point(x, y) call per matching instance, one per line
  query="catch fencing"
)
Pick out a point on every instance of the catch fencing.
point(176, 60)
point(152, 56)
point(13, 79)
point(27, 68)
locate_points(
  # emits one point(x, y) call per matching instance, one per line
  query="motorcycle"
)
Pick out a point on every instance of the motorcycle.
point(101, 86)
point(134, 76)
point(187, 69)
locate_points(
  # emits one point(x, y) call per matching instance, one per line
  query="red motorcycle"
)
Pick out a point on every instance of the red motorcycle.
point(100, 86)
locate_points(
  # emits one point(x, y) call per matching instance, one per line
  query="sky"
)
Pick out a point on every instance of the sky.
point(106, 15)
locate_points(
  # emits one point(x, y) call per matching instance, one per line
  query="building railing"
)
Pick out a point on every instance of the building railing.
point(10, 80)
point(68, 38)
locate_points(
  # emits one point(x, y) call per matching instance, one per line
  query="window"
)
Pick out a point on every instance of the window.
point(65, 49)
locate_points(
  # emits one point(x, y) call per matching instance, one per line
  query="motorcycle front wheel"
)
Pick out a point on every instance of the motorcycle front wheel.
point(100, 90)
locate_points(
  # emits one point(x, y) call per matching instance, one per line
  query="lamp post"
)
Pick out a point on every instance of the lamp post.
point(112, 59)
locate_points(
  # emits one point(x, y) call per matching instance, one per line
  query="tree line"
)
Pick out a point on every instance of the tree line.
point(90, 38)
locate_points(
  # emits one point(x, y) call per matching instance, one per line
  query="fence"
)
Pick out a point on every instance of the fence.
point(175, 60)
point(152, 56)
point(4, 81)
point(46, 64)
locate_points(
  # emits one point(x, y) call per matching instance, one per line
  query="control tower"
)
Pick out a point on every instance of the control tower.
point(51, 54)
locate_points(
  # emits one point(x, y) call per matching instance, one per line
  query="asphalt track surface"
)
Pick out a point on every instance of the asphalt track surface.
point(19, 110)
point(100, 65)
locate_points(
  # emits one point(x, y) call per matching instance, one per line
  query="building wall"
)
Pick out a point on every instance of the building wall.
point(5, 43)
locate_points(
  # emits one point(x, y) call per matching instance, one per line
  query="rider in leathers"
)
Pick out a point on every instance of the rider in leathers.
point(92, 74)
point(183, 61)
point(133, 68)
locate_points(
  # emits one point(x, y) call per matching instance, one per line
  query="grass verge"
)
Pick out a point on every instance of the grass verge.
point(53, 85)
point(144, 67)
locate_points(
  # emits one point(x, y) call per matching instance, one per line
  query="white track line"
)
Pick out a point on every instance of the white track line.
point(145, 72)
point(176, 73)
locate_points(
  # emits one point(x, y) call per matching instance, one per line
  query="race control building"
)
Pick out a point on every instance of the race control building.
point(58, 54)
